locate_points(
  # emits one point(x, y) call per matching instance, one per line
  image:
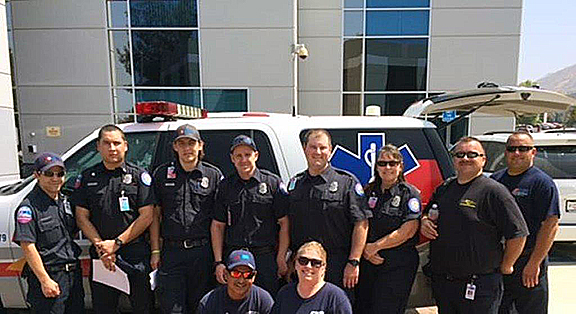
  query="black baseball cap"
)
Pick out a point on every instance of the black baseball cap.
point(242, 140)
point(189, 131)
point(48, 160)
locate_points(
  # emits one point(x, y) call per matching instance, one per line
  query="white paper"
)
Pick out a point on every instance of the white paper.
point(115, 279)
point(153, 279)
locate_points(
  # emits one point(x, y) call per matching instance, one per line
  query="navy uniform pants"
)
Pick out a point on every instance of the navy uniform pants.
point(70, 300)
point(449, 294)
point(525, 300)
point(336, 262)
point(385, 288)
point(184, 276)
point(134, 260)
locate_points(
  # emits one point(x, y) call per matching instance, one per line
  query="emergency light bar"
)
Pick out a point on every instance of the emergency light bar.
point(169, 109)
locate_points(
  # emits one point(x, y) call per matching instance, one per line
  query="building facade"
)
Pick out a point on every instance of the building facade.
point(79, 64)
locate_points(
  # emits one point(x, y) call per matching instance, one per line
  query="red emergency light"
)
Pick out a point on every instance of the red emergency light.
point(169, 109)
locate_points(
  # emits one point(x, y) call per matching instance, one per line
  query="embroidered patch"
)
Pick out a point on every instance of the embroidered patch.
point(414, 205)
point(468, 203)
point(359, 189)
point(146, 178)
point(24, 215)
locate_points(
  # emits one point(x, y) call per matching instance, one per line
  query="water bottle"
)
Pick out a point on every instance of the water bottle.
point(433, 213)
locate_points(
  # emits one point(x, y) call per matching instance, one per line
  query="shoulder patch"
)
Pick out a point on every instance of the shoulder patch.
point(359, 189)
point(414, 205)
point(24, 215)
point(146, 178)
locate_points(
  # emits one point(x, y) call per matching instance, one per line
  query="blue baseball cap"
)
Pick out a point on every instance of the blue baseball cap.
point(48, 160)
point(189, 131)
point(242, 140)
point(241, 258)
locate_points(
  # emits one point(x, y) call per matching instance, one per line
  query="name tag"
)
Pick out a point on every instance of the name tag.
point(169, 184)
point(124, 204)
point(92, 183)
point(470, 291)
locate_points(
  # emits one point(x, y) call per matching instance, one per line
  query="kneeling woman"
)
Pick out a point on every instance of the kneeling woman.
point(390, 259)
point(311, 294)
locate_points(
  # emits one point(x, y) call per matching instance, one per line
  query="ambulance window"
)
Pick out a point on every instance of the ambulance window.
point(495, 159)
point(217, 149)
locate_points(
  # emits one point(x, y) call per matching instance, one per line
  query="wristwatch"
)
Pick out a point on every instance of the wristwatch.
point(118, 242)
point(216, 263)
point(354, 262)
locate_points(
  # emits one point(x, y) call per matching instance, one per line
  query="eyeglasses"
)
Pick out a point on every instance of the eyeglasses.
point(316, 263)
point(50, 173)
point(470, 155)
point(522, 149)
point(383, 163)
point(245, 274)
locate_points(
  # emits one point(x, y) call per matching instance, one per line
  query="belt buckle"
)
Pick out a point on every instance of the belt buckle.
point(188, 244)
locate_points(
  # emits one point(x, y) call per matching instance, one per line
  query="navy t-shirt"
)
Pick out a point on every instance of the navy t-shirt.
point(328, 300)
point(217, 301)
point(536, 195)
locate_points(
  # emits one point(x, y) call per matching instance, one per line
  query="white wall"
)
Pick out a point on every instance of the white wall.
point(8, 139)
point(62, 65)
point(248, 44)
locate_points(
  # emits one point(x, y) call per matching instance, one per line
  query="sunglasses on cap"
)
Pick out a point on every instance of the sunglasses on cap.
point(303, 261)
point(50, 173)
point(245, 274)
point(522, 149)
point(392, 163)
point(470, 155)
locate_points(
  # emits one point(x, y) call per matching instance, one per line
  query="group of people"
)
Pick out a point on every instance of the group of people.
point(345, 247)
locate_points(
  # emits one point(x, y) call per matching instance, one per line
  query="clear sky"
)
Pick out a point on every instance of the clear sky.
point(548, 41)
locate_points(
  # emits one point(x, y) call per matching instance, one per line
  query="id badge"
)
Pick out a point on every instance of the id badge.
point(470, 291)
point(124, 204)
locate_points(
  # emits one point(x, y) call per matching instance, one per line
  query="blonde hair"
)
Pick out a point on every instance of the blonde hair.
point(313, 246)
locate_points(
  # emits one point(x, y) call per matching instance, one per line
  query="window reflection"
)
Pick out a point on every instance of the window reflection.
point(166, 58)
point(123, 101)
point(353, 23)
point(218, 100)
point(397, 3)
point(117, 13)
point(120, 58)
point(189, 97)
point(163, 13)
point(352, 64)
point(395, 23)
point(391, 104)
point(396, 64)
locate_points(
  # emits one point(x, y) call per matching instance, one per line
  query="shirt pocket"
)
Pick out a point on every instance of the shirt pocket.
point(332, 200)
point(50, 230)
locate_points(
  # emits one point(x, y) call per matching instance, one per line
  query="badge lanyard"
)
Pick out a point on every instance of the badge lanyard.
point(470, 289)
point(124, 203)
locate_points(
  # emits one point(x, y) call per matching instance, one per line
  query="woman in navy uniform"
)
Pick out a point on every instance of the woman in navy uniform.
point(390, 260)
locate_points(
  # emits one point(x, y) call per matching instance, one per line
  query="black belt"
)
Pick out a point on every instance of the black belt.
point(63, 267)
point(186, 244)
point(450, 277)
point(256, 250)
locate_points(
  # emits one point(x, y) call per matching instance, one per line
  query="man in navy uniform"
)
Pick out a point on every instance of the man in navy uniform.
point(114, 206)
point(251, 212)
point(185, 191)
point(526, 289)
point(45, 229)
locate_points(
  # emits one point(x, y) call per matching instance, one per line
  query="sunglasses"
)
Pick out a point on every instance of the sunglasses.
point(50, 173)
point(303, 261)
point(392, 163)
point(522, 149)
point(470, 155)
point(245, 274)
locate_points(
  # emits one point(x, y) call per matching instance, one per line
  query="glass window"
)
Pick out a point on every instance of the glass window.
point(353, 3)
point(163, 13)
point(397, 3)
point(396, 23)
point(457, 129)
point(391, 104)
point(351, 105)
point(189, 97)
point(166, 58)
point(117, 13)
point(396, 64)
point(219, 100)
point(120, 58)
point(353, 23)
point(352, 64)
point(123, 101)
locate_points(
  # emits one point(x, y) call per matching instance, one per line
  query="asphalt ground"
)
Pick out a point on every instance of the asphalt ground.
point(562, 276)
